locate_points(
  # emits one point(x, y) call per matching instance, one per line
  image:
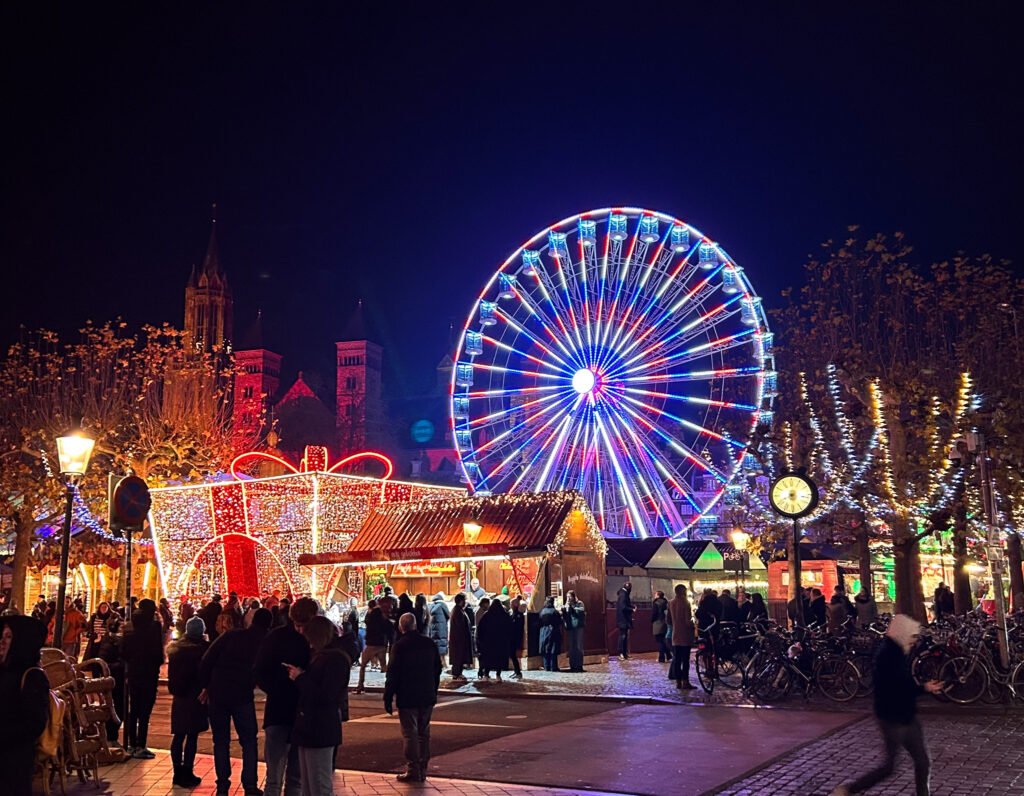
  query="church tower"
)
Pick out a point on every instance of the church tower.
point(257, 378)
point(208, 303)
point(360, 403)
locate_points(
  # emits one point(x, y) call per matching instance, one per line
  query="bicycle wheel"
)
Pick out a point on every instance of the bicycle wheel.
point(707, 669)
point(732, 672)
point(1017, 682)
point(770, 680)
point(837, 678)
point(865, 666)
point(964, 681)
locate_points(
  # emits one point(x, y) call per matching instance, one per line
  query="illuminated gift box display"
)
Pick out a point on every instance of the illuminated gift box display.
point(246, 534)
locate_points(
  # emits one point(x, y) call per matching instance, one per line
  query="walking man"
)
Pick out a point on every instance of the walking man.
point(379, 635)
point(896, 695)
point(413, 678)
point(226, 674)
point(624, 618)
point(575, 615)
point(283, 645)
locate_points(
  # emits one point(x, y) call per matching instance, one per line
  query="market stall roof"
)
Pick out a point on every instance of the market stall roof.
point(651, 553)
point(433, 529)
point(691, 552)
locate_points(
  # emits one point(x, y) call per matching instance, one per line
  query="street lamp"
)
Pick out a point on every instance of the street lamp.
point(739, 541)
point(73, 451)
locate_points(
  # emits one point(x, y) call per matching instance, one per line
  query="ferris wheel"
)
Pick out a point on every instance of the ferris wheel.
point(620, 353)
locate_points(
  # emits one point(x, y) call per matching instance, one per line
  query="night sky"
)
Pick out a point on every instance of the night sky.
point(398, 152)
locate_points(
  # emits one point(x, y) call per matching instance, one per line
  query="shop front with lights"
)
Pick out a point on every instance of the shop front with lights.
point(246, 534)
point(531, 545)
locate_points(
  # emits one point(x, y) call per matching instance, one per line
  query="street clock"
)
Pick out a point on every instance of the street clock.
point(793, 495)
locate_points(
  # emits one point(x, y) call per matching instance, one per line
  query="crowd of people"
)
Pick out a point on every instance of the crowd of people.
point(299, 655)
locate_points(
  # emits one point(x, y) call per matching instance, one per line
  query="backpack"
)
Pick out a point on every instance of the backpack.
point(48, 743)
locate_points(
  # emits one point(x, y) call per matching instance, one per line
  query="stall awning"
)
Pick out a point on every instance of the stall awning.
point(463, 552)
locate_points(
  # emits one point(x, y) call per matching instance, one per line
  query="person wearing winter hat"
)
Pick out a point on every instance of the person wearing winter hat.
point(188, 714)
point(896, 694)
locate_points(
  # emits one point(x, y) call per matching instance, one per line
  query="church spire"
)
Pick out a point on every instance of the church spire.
point(211, 263)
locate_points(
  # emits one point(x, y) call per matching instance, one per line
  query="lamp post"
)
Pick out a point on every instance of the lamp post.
point(73, 451)
point(739, 541)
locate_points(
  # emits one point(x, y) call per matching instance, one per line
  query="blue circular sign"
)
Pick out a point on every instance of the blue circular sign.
point(422, 431)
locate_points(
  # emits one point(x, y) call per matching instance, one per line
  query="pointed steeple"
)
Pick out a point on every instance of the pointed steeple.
point(191, 277)
point(211, 264)
point(356, 327)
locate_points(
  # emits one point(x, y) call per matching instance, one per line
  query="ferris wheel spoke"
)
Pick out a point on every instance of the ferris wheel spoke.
point(588, 260)
point(691, 399)
point(680, 447)
point(570, 457)
point(544, 321)
point(530, 438)
point(537, 486)
point(509, 410)
point(527, 333)
point(511, 391)
point(645, 271)
point(682, 421)
point(574, 323)
point(540, 412)
point(671, 344)
point(654, 491)
point(699, 375)
point(538, 360)
point(636, 249)
point(622, 481)
point(502, 369)
point(704, 284)
point(558, 447)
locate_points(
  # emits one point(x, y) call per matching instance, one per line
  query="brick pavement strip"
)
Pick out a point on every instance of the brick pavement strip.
point(974, 754)
point(153, 778)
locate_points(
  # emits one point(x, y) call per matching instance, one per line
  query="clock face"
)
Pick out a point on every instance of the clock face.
point(793, 495)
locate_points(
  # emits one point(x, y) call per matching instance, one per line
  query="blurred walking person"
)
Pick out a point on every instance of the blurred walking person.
point(575, 616)
point(659, 625)
point(680, 617)
point(460, 639)
point(896, 694)
point(551, 625)
point(143, 657)
point(624, 618)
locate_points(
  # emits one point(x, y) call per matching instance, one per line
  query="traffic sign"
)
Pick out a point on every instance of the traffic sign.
point(130, 504)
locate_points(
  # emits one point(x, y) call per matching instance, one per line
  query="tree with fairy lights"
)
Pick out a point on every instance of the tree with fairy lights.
point(902, 340)
point(155, 407)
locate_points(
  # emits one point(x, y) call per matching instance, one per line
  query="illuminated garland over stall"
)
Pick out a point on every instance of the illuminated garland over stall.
point(246, 534)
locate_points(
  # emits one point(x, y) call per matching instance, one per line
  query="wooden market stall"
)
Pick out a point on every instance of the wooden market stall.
point(534, 545)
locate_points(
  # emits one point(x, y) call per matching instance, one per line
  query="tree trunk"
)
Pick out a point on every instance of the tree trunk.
point(1013, 565)
point(793, 555)
point(22, 549)
point(961, 578)
point(907, 571)
point(864, 558)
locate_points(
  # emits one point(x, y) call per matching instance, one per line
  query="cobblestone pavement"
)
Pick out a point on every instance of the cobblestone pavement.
point(971, 754)
point(153, 778)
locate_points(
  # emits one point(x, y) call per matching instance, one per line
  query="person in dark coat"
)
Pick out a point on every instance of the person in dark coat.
point(322, 706)
point(818, 608)
point(758, 611)
point(405, 605)
point(143, 657)
point(25, 700)
point(283, 645)
point(895, 702)
point(110, 650)
point(730, 608)
point(575, 615)
point(517, 632)
point(188, 714)
point(412, 682)
point(680, 617)
point(492, 635)
point(437, 628)
point(550, 634)
point(209, 613)
point(624, 618)
point(379, 635)
point(227, 677)
point(460, 638)
point(422, 614)
point(659, 625)
point(945, 604)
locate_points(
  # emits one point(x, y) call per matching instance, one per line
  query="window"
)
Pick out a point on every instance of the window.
point(351, 361)
point(348, 410)
point(247, 392)
point(351, 383)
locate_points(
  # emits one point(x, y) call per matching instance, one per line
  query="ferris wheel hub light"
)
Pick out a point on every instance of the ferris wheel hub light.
point(583, 380)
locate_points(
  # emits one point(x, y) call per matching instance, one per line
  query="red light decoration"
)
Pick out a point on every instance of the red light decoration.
point(313, 461)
